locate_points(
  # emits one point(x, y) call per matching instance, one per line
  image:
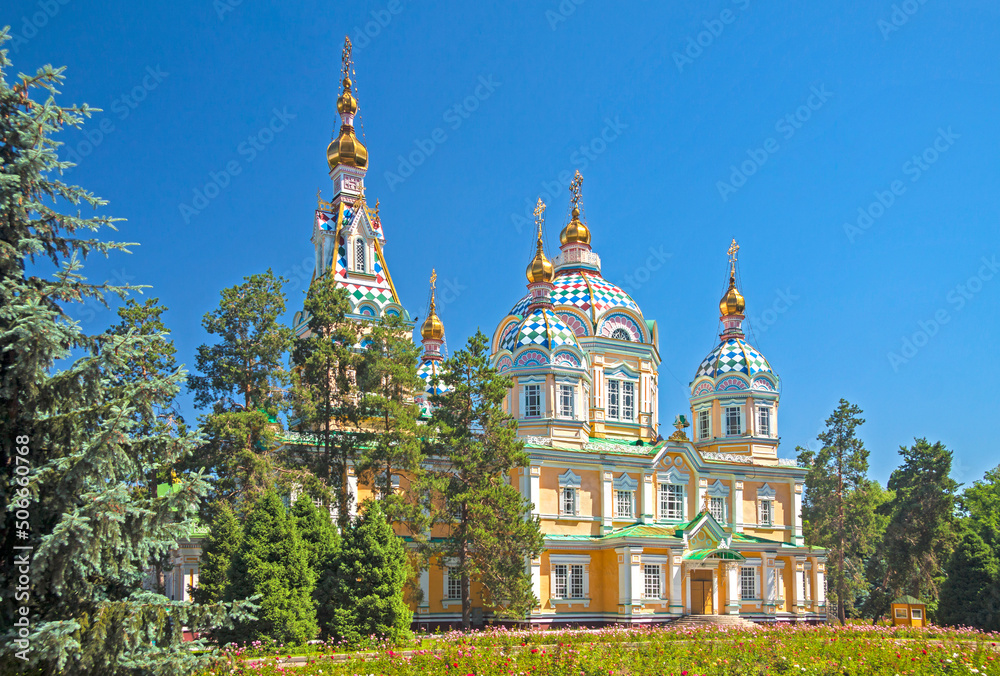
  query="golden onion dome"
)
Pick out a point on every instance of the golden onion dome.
point(540, 269)
point(575, 231)
point(347, 149)
point(347, 103)
point(433, 328)
point(732, 303)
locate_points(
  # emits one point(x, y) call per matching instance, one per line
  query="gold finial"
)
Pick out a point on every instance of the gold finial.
point(680, 422)
point(433, 328)
point(346, 58)
point(322, 204)
point(540, 268)
point(575, 231)
point(376, 207)
point(732, 302)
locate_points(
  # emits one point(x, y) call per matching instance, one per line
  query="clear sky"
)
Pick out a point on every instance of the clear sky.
point(850, 147)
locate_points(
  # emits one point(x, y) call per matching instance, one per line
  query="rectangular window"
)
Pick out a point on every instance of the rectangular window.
point(566, 401)
point(748, 583)
point(559, 581)
point(532, 401)
point(901, 613)
point(671, 502)
point(717, 508)
point(568, 500)
point(454, 590)
point(703, 425)
point(763, 422)
point(734, 426)
point(651, 587)
point(628, 401)
point(576, 581)
point(917, 614)
point(766, 515)
point(614, 403)
point(623, 504)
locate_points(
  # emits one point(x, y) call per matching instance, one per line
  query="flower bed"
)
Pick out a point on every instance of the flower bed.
point(853, 650)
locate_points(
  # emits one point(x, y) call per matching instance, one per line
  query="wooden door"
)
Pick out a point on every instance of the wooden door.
point(701, 592)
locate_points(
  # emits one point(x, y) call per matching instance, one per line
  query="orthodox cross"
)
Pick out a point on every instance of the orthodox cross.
point(434, 277)
point(346, 57)
point(574, 187)
point(539, 219)
point(734, 249)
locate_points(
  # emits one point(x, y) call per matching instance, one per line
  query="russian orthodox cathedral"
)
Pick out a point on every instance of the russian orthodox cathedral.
point(637, 528)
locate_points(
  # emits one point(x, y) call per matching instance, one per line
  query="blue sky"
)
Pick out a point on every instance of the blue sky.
point(851, 148)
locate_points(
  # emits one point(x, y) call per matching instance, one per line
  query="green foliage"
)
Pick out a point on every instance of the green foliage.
point(368, 579)
point(86, 426)
point(242, 375)
point(389, 379)
point(272, 562)
point(840, 503)
point(477, 446)
point(217, 552)
point(325, 395)
point(323, 542)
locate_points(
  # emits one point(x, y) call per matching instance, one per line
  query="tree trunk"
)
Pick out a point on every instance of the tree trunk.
point(466, 596)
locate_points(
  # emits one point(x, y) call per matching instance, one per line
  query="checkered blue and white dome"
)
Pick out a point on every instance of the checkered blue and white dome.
point(586, 291)
point(733, 355)
point(541, 328)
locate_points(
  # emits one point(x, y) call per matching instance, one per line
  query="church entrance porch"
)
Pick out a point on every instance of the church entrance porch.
point(702, 596)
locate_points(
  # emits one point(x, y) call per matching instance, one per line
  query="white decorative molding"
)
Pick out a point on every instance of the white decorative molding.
point(788, 462)
point(625, 483)
point(727, 457)
point(765, 492)
point(718, 489)
point(537, 441)
point(569, 480)
point(673, 476)
point(606, 446)
point(576, 256)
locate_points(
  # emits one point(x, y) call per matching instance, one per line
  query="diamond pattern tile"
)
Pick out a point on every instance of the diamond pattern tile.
point(733, 356)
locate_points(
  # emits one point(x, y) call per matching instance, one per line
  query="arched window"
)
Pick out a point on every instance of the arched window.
point(359, 255)
point(621, 334)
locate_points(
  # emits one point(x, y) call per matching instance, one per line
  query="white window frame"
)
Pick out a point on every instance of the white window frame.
point(621, 399)
point(652, 577)
point(765, 496)
point(575, 571)
point(713, 501)
point(569, 481)
point(360, 255)
point(900, 613)
point(764, 421)
point(916, 613)
point(704, 424)
point(614, 399)
point(628, 401)
point(624, 501)
point(452, 583)
point(624, 490)
point(668, 491)
point(566, 399)
point(754, 583)
point(672, 477)
point(727, 418)
point(536, 388)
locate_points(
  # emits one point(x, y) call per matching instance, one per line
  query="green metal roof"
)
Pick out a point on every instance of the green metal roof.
point(909, 600)
point(702, 554)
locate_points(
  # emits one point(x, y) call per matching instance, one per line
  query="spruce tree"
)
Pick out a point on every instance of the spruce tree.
point(83, 433)
point(368, 581)
point(217, 552)
point(241, 379)
point(327, 400)
point(272, 564)
point(489, 532)
point(839, 505)
point(390, 379)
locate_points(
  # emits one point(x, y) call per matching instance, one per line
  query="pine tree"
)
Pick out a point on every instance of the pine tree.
point(839, 505)
point(272, 562)
point(970, 595)
point(390, 379)
point(323, 542)
point(82, 432)
point(369, 578)
point(326, 397)
point(217, 552)
point(919, 535)
point(489, 533)
point(242, 375)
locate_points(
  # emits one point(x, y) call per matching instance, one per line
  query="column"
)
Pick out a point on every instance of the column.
point(819, 593)
point(606, 504)
point(425, 592)
point(732, 588)
point(770, 583)
point(800, 583)
point(352, 492)
point(536, 581)
point(738, 506)
point(635, 570)
point(648, 488)
point(797, 513)
point(534, 492)
point(687, 592)
point(716, 600)
point(676, 575)
point(702, 489)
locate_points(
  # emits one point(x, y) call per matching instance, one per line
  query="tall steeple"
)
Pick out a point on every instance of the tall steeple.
point(432, 332)
point(540, 270)
point(575, 251)
point(346, 156)
point(732, 304)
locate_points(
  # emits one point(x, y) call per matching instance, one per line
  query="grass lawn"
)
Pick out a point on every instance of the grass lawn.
point(852, 650)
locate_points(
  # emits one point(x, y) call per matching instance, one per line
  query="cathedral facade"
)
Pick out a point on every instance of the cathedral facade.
point(637, 528)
